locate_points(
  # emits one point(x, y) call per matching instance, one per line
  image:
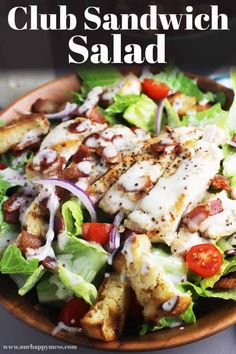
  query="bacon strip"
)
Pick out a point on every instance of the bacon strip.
point(226, 282)
point(201, 212)
point(11, 208)
point(221, 182)
point(26, 240)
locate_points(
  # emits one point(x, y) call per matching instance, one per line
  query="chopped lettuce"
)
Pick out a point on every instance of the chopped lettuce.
point(25, 282)
point(78, 285)
point(121, 103)
point(232, 111)
point(81, 257)
point(171, 115)
point(226, 294)
point(73, 217)
point(187, 317)
point(214, 115)
point(51, 290)
point(95, 76)
point(99, 76)
point(142, 113)
point(79, 263)
point(174, 267)
point(13, 262)
point(8, 232)
point(178, 81)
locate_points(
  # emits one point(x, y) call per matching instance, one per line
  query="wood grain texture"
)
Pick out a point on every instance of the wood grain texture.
point(218, 316)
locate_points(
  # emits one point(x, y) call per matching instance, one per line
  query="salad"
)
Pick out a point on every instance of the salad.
point(119, 207)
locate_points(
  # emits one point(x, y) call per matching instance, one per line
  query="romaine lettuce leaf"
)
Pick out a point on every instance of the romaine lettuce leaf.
point(167, 322)
point(171, 115)
point(232, 111)
point(142, 113)
point(105, 75)
point(80, 287)
point(95, 76)
point(13, 262)
point(26, 283)
point(51, 290)
point(178, 81)
point(79, 263)
point(8, 232)
point(214, 115)
point(73, 217)
point(81, 257)
point(226, 294)
point(121, 103)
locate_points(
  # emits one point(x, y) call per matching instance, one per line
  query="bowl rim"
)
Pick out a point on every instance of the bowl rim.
point(206, 326)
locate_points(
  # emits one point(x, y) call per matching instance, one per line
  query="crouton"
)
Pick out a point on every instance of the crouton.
point(155, 291)
point(105, 320)
point(23, 132)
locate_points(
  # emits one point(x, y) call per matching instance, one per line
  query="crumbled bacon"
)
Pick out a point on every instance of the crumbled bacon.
point(226, 282)
point(82, 154)
point(201, 212)
point(26, 240)
point(95, 115)
point(158, 147)
point(50, 263)
point(221, 182)
point(11, 208)
point(59, 224)
point(71, 173)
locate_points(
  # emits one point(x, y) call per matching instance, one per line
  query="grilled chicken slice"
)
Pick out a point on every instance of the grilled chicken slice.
point(60, 144)
point(183, 186)
point(23, 132)
point(104, 150)
point(155, 290)
point(223, 223)
point(167, 140)
point(126, 193)
point(184, 240)
point(105, 320)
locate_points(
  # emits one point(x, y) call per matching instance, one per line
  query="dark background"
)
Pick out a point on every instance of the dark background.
point(43, 49)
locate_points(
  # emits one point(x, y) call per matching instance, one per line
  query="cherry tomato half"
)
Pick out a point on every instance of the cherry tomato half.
point(204, 260)
point(97, 232)
point(155, 90)
point(73, 311)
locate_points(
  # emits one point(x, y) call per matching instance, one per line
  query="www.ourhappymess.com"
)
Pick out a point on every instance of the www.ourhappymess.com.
point(38, 347)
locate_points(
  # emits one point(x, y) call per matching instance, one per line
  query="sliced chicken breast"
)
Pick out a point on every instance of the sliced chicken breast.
point(60, 144)
point(160, 212)
point(184, 240)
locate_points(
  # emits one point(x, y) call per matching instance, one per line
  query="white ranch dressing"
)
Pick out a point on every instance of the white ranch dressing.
point(62, 327)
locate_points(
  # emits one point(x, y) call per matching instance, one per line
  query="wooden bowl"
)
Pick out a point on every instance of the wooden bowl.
point(216, 316)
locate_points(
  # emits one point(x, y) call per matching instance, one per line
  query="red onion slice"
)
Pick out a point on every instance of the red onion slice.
point(69, 108)
point(114, 241)
point(159, 112)
point(74, 189)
